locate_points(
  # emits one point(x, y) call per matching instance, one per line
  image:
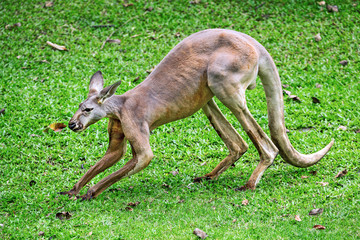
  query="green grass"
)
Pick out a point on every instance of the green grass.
point(35, 94)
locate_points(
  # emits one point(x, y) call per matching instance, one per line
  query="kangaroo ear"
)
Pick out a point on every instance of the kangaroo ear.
point(96, 83)
point(108, 92)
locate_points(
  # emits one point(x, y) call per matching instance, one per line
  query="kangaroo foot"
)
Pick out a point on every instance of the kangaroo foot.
point(200, 179)
point(245, 187)
point(88, 196)
point(70, 193)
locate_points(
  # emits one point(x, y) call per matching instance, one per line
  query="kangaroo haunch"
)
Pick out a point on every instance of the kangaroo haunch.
point(221, 63)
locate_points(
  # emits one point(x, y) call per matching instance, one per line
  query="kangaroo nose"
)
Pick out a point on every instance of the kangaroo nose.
point(72, 125)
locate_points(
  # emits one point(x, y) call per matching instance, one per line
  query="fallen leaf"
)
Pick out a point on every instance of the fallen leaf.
point(41, 233)
point(174, 173)
point(202, 164)
point(315, 100)
point(245, 202)
point(321, 3)
point(285, 85)
point(332, 8)
point(341, 173)
point(134, 36)
point(10, 26)
point(181, 201)
point(303, 177)
point(58, 47)
point(32, 183)
point(287, 92)
point(234, 220)
point(317, 37)
point(44, 61)
point(297, 218)
point(117, 41)
point(295, 98)
point(318, 85)
point(357, 131)
point(149, 9)
point(2, 111)
point(34, 135)
point(344, 62)
point(133, 204)
point(63, 215)
point(49, 4)
point(323, 183)
point(195, 2)
point(342, 128)
point(56, 127)
point(18, 57)
point(129, 209)
point(136, 79)
point(128, 4)
point(200, 233)
point(319, 227)
point(177, 34)
point(90, 233)
point(316, 211)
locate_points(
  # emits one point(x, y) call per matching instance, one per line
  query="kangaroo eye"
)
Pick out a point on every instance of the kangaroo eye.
point(88, 109)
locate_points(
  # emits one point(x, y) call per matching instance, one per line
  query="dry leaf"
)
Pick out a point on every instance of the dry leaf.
point(303, 177)
point(49, 4)
point(316, 211)
point(332, 8)
point(149, 9)
point(41, 233)
point(134, 36)
point(181, 201)
point(285, 85)
point(319, 227)
point(287, 92)
point(341, 173)
point(136, 79)
point(133, 204)
point(202, 164)
point(245, 202)
point(297, 218)
point(318, 85)
point(63, 215)
point(18, 57)
point(357, 131)
point(295, 98)
point(57, 47)
point(321, 3)
point(195, 2)
point(234, 220)
point(317, 37)
point(129, 209)
point(342, 128)
point(90, 233)
point(128, 4)
point(56, 127)
point(315, 100)
point(174, 173)
point(177, 34)
point(200, 233)
point(2, 111)
point(117, 41)
point(323, 183)
point(344, 62)
point(9, 26)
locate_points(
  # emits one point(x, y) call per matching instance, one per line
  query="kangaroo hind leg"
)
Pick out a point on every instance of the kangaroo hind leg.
point(229, 87)
point(236, 145)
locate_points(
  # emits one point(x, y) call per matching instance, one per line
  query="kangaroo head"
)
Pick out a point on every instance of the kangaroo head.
point(94, 107)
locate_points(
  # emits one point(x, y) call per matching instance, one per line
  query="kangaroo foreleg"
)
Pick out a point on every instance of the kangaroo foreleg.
point(142, 155)
point(236, 145)
point(115, 151)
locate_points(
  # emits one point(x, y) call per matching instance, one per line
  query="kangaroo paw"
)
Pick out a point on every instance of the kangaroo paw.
point(88, 196)
point(69, 193)
point(244, 188)
point(200, 179)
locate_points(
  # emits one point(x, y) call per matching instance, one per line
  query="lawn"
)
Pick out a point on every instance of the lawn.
point(40, 85)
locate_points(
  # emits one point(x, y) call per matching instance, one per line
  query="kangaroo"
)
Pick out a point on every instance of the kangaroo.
point(215, 62)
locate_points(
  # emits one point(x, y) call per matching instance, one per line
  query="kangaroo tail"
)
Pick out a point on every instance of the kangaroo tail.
point(274, 97)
